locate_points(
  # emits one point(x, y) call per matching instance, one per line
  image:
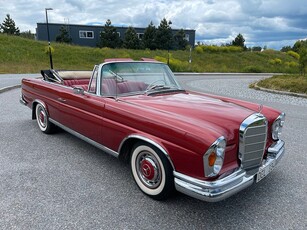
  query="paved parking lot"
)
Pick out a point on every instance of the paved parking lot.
point(60, 182)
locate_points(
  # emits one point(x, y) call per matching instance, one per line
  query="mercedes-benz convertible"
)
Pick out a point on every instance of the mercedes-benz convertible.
point(206, 146)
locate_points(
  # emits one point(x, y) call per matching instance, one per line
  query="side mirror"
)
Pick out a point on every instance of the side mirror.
point(78, 90)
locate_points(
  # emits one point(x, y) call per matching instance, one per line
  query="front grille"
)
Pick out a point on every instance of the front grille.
point(253, 135)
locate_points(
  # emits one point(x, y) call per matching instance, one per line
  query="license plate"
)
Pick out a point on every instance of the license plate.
point(264, 171)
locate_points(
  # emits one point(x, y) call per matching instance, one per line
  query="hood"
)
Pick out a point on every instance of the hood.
point(195, 113)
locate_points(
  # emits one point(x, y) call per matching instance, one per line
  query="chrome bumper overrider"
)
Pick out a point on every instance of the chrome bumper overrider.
point(220, 189)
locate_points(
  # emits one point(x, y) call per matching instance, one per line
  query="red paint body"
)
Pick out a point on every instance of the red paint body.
point(185, 124)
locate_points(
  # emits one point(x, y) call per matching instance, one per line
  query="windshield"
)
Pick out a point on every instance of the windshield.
point(126, 78)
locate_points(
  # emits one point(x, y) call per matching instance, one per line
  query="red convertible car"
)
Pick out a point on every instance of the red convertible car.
point(206, 146)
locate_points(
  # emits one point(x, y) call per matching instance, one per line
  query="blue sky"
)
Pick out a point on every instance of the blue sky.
point(271, 23)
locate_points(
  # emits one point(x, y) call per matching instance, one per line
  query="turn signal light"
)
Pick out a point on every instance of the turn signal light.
point(212, 159)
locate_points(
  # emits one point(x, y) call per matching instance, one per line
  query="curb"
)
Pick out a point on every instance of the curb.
point(256, 87)
point(5, 89)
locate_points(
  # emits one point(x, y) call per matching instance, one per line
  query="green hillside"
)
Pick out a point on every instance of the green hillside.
point(20, 55)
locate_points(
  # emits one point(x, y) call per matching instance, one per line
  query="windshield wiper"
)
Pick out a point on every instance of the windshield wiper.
point(162, 88)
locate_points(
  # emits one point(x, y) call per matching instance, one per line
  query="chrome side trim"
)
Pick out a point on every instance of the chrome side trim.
point(220, 189)
point(136, 136)
point(86, 139)
point(22, 100)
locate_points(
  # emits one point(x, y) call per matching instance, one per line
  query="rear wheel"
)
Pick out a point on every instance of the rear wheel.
point(43, 120)
point(152, 171)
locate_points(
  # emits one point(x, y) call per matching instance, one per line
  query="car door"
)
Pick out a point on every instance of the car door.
point(82, 111)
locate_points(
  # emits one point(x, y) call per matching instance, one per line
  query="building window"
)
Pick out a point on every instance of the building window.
point(140, 35)
point(86, 34)
point(187, 37)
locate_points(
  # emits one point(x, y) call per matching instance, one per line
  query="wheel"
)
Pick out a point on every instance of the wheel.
point(42, 119)
point(152, 171)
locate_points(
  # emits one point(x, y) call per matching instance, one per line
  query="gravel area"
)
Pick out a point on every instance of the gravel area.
point(238, 88)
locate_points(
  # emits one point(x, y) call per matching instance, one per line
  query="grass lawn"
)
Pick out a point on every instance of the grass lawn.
point(21, 55)
point(289, 83)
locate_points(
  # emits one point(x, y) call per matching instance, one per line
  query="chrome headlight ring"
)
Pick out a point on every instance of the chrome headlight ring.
point(277, 126)
point(214, 157)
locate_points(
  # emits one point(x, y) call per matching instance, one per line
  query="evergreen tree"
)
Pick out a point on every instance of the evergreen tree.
point(8, 26)
point(63, 37)
point(298, 45)
point(285, 48)
point(164, 38)
point(239, 41)
point(180, 40)
point(149, 38)
point(131, 39)
point(109, 36)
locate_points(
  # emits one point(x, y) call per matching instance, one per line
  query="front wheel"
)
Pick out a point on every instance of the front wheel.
point(152, 171)
point(42, 119)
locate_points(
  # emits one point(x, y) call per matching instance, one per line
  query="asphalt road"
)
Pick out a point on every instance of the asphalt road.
point(60, 182)
point(9, 80)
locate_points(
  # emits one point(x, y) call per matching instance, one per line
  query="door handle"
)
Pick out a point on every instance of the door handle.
point(61, 99)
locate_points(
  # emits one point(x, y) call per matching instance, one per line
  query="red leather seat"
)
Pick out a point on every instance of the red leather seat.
point(71, 82)
point(109, 87)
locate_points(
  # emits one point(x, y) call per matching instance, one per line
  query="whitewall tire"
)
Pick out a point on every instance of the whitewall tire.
point(152, 171)
point(43, 120)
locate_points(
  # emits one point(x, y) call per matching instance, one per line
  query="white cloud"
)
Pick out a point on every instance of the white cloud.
point(270, 22)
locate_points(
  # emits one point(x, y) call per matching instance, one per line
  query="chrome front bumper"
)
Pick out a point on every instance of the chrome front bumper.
point(221, 189)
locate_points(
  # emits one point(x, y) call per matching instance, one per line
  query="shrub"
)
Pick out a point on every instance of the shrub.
point(291, 64)
point(252, 69)
point(222, 49)
point(275, 61)
point(199, 49)
point(161, 59)
point(293, 54)
point(175, 64)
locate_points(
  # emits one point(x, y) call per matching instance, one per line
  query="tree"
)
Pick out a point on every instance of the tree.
point(149, 38)
point(109, 36)
point(239, 41)
point(298, 45)
point(131, 39)
point(8, 26)
point(256, 48)
point(164, 37)
point(285, 49)
point(63, 37)
point(180, 41)
point(303, 59)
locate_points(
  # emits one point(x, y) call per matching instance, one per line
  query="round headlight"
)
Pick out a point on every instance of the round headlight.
point(277, 126)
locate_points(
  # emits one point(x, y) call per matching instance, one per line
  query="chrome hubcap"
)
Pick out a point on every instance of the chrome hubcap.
point(41, 117)
point(148, 170)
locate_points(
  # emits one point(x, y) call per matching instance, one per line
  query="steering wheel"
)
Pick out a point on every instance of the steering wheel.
point(154, 84)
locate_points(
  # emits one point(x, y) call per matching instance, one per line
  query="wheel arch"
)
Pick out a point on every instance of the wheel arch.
point(128, 143)
point(34, 104)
